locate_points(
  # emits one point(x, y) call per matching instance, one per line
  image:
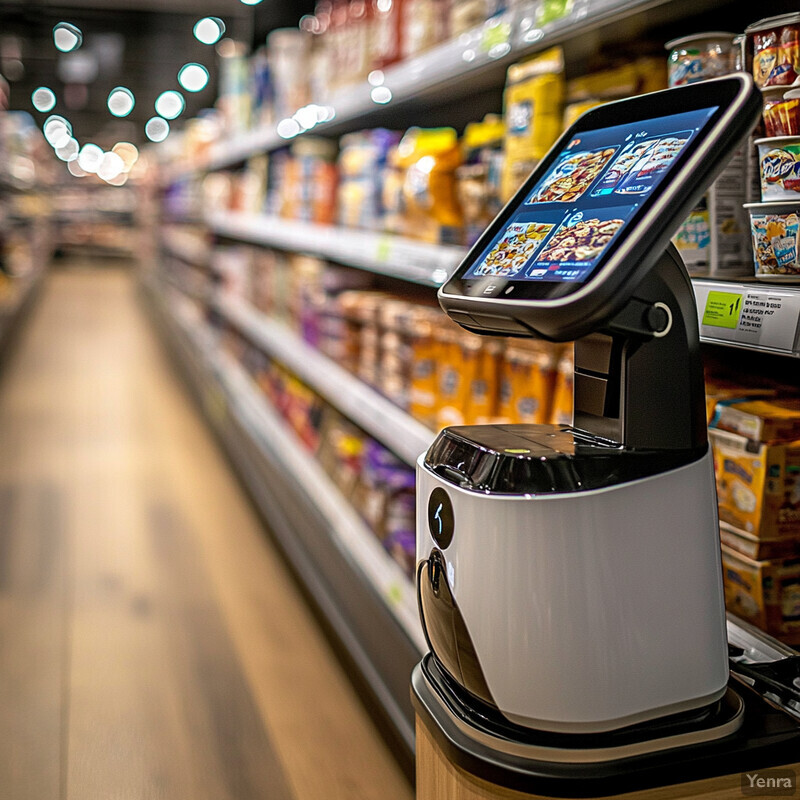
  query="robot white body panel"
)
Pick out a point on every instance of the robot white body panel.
point(584, 616)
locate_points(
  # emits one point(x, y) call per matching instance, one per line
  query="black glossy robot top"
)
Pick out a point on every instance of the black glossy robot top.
point(541, 459)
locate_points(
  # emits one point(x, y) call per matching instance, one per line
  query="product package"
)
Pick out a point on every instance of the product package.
point(763, 420)
point(562, 409)
point(766, 593)
point(428, 159)
point(714, 240)
point(758, 492)
point(478, 179)
point(775, 45)
point(310, 179)
point(362, 162)
point(528, 381)
point(774, 230)
point(533, 110)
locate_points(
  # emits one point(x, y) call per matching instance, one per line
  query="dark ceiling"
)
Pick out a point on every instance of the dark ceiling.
point(140, 44)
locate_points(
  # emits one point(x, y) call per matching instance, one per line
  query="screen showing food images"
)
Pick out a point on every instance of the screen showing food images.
point(586, 199)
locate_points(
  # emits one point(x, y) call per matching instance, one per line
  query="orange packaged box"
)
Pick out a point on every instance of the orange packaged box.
point(761, 420)
point(766, 593)
point(758, 489)
point(528, 382)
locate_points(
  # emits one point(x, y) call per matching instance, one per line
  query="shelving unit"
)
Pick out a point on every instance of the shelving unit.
point(13, 312)
point(451, 70)
point(371, 411)
point(184, 246)
point(364, 595)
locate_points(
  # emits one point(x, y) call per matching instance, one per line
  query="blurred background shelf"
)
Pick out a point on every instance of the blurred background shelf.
point(364, 406)
point(362, 594)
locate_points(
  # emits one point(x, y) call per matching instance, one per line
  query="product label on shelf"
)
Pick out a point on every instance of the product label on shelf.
point(759, 317)
point(722, 309)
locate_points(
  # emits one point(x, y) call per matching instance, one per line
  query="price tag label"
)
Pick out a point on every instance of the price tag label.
point(722, 309)
point(496, 35)
point(384, 249)
point(552, 10)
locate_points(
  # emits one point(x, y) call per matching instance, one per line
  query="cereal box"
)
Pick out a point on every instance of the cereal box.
point(758, 486)
point(766, 593)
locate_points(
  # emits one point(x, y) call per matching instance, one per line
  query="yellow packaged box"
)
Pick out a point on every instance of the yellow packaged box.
point(758, 485)
point(766, 593)
point(533, 106)
point(756, 548)
point(761, 420)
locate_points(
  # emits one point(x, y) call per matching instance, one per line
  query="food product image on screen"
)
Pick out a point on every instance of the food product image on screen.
point(639, 167)
point(570, 219)
point(572, 175)
point(581, 239)
point(514, 249)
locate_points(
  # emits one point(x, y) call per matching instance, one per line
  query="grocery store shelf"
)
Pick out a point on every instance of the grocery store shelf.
point(396, 256)
point(345, 525)
point(200, 295)
point(362, 594)
point(13, 311)
point(452, 68)
point(753, 316)
point(371, 411)
point(185, 246)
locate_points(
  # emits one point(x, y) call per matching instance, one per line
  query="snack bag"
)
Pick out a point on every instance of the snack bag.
point(429, 158)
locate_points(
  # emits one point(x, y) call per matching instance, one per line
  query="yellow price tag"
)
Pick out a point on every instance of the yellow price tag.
point(722, 310)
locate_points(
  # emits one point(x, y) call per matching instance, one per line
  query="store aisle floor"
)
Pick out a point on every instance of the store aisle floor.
point(152, 644)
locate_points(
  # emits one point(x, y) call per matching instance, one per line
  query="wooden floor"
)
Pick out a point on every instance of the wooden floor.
point(152, 644)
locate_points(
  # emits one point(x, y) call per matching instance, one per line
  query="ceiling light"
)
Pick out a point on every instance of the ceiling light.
point(288, 128)
point(170, 104)
point(121, 101)
point(68, 151)
point(381, 95)
point(75, 169)
point(193, 77)
point(156, 129)
point(127, 152)
point(251, 2)
point(209, 30)
point(57, 130)
point(67, 37)
point(110, 167)
point(90, 158)
point(306, 117)
point(43, 99)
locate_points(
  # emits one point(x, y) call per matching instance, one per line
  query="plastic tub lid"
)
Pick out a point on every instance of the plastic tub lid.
point(701, 37)
point(773, 22)
point(774, 205)
point(776, 139)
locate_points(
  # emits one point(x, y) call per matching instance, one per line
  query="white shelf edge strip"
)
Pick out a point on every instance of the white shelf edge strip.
point(387, 254)
point(755, 316)
point(352, 536)
point(378, 416)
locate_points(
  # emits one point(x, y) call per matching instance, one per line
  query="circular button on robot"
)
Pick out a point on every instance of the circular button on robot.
point(440, 517)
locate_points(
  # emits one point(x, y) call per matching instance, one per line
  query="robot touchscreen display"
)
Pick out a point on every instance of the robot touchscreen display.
point(584, 201)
